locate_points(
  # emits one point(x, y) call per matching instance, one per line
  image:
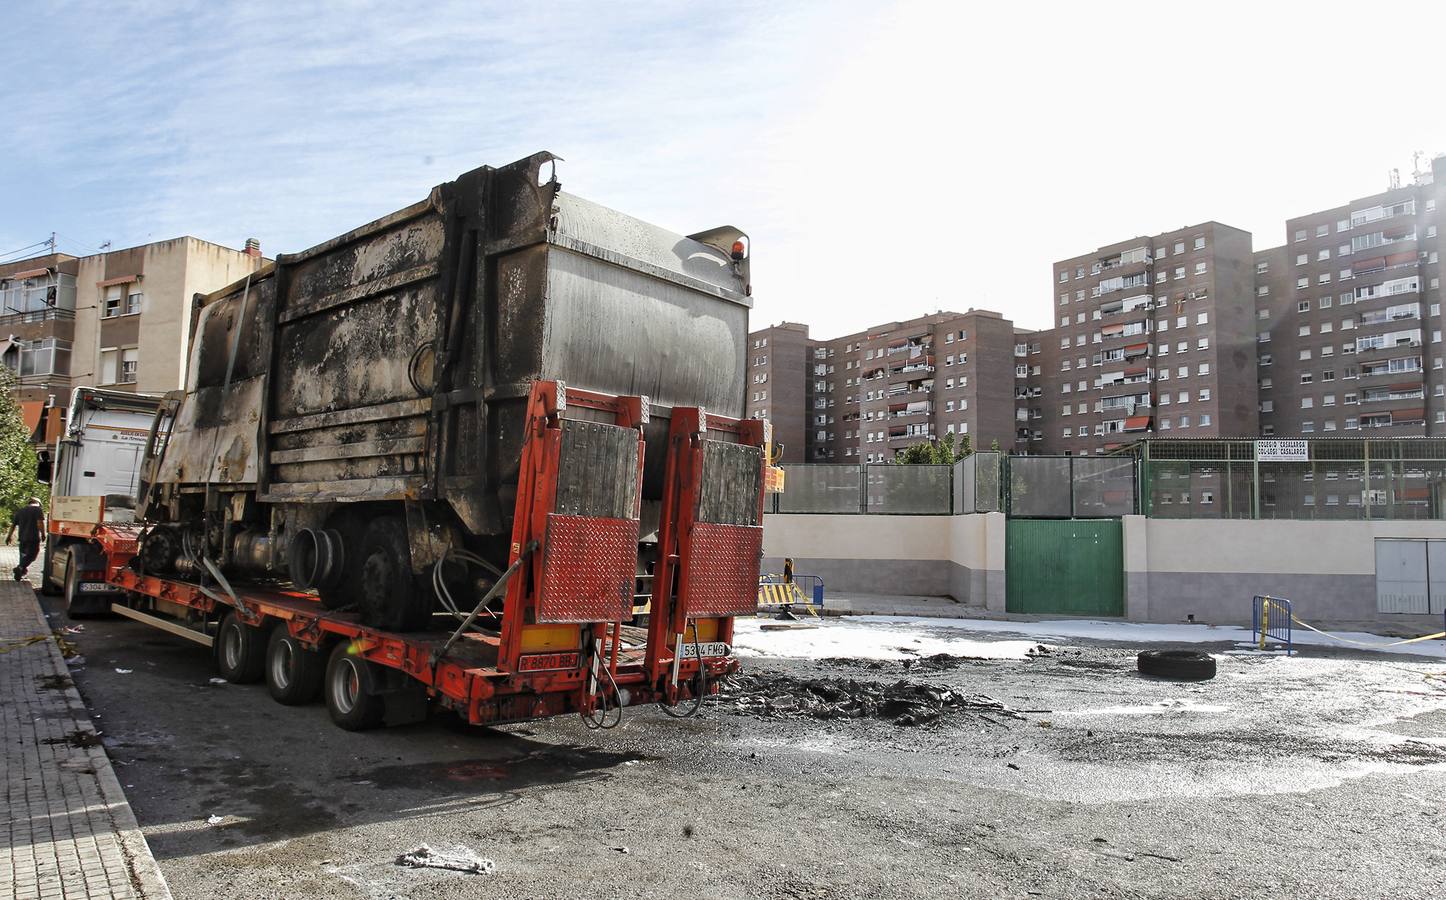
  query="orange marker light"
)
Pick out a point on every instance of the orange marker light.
point(738, 250)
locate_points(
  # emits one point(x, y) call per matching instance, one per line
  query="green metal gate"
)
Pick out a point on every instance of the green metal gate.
point(1073, 567)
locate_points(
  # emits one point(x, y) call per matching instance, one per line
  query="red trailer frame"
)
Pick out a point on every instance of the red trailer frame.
point(562, 644)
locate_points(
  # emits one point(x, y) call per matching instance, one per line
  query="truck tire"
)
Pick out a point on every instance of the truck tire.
point(389, 595)
point(240, 650)
point(293, 671)
point(1180, 665)
point(48, 587)
point(350, 691)
point(78, 605)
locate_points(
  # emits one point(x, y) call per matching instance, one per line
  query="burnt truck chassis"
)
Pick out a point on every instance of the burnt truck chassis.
point(355, 413)
point(558, 643)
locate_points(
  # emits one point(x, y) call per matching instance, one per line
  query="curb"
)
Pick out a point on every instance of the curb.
point(146, 875)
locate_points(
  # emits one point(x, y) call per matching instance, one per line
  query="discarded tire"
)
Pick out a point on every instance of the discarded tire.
point(1181, 665)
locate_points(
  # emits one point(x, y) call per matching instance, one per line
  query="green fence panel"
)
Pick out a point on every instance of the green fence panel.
point(1073, 567)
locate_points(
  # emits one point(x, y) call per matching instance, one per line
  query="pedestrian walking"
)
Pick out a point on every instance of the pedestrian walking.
point(27, 524)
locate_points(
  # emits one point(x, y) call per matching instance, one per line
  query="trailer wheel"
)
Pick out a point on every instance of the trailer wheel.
point(293, 671)
point(240, 650)
point(351, 690)
point(389, 595)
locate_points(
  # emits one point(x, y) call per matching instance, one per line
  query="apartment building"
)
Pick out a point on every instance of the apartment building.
point(1188, 333)
point(1349, 318)
point(120, 319)
point(867, 395)
point(778, 385)
point(1153, 335)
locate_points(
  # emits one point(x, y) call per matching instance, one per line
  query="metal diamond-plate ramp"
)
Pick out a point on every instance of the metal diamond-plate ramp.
point(722, 570)
point(589, 569)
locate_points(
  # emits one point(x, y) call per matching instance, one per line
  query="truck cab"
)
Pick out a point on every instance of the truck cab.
point(93, 471)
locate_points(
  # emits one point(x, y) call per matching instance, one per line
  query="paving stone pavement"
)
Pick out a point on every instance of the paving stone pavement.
point(67, 829)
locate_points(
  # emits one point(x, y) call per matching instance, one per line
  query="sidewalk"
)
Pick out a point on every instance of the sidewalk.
point(850, 604)
point(69, 831)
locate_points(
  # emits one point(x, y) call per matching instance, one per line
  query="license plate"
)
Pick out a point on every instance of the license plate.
point(96, 587)
point(544, 662)
point(707, 648)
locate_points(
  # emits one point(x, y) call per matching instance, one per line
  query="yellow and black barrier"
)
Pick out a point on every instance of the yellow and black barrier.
point(779, 592)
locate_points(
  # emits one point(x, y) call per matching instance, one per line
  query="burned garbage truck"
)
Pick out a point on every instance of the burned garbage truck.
point(354, 415)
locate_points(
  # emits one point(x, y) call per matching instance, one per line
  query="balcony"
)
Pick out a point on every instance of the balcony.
point(46, 314)
point(1400, 367)
point(910, 410)
point(914, 438)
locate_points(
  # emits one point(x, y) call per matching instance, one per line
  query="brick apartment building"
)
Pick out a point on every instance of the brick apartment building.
point(1152, 335)
point(1189, 333)
point(120, 320)
point(869, 394)
point(1349, 318)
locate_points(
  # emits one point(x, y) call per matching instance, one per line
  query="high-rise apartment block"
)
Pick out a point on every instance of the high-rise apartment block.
point(867, 395)
point(1349, 318)
point(1188, 333)
point(1152, 335)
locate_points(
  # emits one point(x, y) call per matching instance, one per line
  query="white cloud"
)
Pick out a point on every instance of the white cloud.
point(905, 157)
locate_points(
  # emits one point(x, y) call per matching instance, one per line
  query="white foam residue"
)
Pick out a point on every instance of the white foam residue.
point(1149, 709)
point(853, 640)
point(1146, 633)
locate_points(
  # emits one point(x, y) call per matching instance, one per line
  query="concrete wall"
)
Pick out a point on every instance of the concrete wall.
point(935, 556)
point(1211, 569)
point(1174, 568)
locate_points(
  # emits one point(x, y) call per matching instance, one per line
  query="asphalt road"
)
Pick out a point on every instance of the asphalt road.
point(1319, 777)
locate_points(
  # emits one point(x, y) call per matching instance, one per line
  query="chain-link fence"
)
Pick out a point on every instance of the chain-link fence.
point(1327, 478)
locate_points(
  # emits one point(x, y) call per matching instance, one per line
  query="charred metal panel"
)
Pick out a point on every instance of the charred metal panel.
point(616, 330)
point(597, 473)
point(413, 247)
point(355, 355)
point(214, 438)
point(589, 567)
point(731, 484)
point(216, 348)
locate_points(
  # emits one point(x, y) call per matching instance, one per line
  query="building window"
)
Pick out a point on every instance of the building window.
point(114, 302)
point(119, 365)
point(45, 356)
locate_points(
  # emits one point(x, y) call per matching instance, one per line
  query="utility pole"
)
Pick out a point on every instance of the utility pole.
point(51, 242)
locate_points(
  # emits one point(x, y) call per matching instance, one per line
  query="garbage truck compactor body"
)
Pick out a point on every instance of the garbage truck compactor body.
point(354, 414)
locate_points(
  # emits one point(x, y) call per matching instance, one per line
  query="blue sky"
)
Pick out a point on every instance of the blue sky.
point(924, 155)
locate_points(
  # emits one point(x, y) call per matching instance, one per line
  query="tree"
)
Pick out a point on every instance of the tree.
point(935, 453)
point(17, 457)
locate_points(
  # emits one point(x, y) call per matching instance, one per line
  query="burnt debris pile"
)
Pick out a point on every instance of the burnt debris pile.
point(905, 703)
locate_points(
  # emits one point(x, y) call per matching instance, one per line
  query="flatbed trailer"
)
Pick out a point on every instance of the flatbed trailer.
point(561, 641)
